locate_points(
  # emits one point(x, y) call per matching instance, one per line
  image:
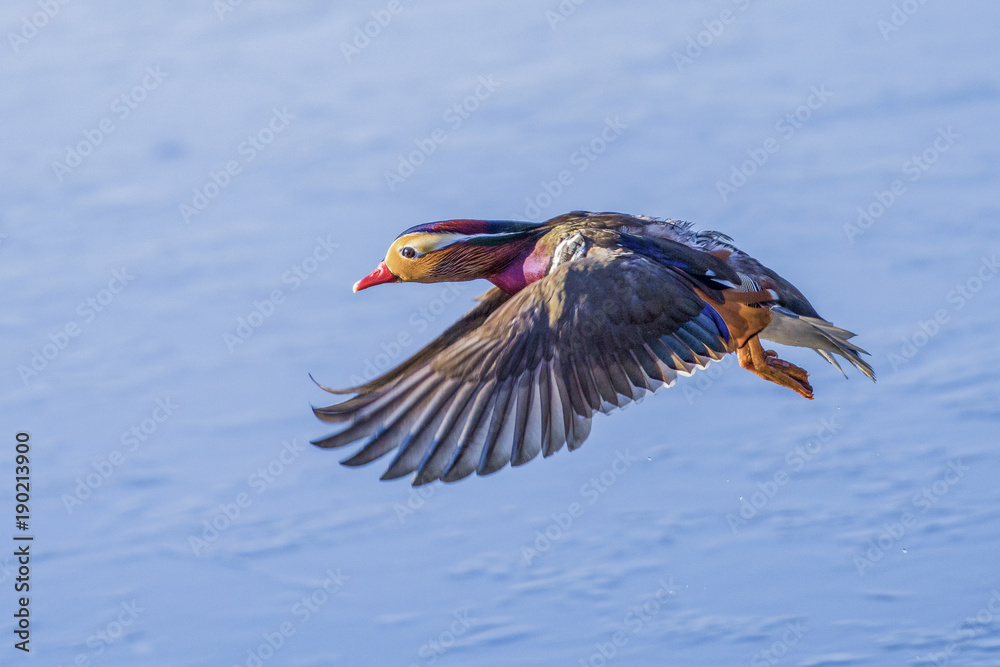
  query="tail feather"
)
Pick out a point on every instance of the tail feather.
point(832, 359)
point(788, 328)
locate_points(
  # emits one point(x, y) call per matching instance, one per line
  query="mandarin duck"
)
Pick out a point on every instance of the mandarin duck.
point(590, 311)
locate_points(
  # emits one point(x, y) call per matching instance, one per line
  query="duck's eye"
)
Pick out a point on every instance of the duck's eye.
point(407, 252)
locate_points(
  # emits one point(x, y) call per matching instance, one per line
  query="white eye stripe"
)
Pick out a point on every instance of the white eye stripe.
point(429, 242)
point(423, 244)
point(442, 241)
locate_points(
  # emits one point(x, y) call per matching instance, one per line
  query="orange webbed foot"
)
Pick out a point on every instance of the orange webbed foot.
point(767, 365)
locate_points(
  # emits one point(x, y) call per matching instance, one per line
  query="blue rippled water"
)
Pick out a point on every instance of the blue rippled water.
point(190, 189)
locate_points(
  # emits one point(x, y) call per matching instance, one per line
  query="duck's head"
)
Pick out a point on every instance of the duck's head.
point(452, 250)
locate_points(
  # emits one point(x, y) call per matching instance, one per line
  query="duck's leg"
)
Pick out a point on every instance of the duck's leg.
point(766, 364)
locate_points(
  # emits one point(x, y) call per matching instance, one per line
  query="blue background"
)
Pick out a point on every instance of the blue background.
point(822, 572)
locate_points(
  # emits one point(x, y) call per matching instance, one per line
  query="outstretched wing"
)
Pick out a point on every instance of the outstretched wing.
point(525, 374)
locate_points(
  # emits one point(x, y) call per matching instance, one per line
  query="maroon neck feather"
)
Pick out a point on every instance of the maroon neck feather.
point(528, 264)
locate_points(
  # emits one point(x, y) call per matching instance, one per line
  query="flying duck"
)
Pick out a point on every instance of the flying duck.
point(590, 311)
